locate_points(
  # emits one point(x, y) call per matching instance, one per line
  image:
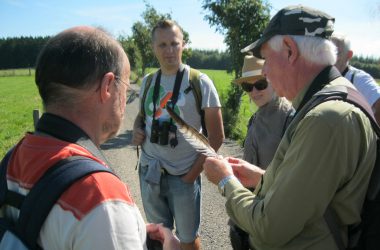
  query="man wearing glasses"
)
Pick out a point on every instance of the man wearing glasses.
point(82, 75)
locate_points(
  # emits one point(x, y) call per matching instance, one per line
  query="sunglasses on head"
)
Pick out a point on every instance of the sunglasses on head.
point(259, 85)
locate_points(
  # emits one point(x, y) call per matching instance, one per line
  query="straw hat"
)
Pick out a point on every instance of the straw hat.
point(251, 70)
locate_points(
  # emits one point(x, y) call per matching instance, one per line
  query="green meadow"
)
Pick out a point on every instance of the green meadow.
point(223, 81)
point(19, 97)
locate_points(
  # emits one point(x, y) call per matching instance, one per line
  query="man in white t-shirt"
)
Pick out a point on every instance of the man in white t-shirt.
point(363, 81)
point(170, 167)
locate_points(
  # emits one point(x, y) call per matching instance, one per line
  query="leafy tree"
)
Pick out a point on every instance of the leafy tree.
point(132, 51)
point(141, 38)
point(241, 22)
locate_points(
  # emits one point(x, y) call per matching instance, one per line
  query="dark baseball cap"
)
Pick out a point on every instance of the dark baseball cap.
point(295, 20)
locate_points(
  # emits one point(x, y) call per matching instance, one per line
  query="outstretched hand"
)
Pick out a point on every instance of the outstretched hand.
point(249, 175)
point(164, 235)
point(216, 169)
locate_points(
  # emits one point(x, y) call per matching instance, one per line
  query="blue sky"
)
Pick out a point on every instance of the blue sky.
point(360, 20)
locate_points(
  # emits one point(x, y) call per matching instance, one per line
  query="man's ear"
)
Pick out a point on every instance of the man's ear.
point(291, 48)
point(350, 54)
point(105, 86)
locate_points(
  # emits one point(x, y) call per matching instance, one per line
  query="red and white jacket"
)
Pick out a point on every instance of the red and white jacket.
point(96, 212)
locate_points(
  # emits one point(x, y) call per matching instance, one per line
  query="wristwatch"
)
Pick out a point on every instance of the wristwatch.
point(222, 184)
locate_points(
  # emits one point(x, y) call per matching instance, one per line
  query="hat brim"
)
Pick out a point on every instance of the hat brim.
point(255, 47)
point(248, 79)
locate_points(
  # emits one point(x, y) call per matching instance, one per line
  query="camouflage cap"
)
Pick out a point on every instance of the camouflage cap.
point(295, 20)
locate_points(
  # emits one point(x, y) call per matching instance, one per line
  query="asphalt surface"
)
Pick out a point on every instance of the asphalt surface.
point(123, 158)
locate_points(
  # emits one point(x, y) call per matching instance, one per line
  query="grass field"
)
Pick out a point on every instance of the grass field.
point(19, 97)
point(222, 81)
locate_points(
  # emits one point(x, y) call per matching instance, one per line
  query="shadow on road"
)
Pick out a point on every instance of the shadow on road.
point(122, 140)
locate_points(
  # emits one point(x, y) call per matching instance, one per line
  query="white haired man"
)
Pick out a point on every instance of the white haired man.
point(324, 159)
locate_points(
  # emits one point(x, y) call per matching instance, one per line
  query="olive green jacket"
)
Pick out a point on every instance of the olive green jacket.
point(326, 158)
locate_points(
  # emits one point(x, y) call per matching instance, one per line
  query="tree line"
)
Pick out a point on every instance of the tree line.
point(22, 52)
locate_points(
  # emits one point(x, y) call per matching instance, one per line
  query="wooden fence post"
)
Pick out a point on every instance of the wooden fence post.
point(36, 117)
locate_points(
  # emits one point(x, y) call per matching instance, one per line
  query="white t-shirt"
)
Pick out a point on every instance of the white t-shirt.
point(365, 83)
point(176, 160)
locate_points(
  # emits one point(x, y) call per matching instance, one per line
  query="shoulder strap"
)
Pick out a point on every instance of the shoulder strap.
point(195, 83)
point(354, 71)
point(44, 194)
point(3, 177)
point(288, 120)
point(146, 88)
point(352, 96)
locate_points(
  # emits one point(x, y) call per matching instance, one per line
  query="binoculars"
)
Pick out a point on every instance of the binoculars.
point(160, 133)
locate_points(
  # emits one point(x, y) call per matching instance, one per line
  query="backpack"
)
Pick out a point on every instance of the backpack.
point(36, 205)
point(195, 86)
point(365, 235)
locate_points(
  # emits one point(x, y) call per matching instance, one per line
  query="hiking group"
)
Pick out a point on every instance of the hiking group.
point(309, 160)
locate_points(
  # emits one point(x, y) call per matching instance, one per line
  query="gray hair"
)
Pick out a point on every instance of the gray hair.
point(341, 41)
point(314, 49)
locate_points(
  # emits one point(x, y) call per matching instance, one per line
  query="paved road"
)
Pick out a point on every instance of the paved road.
point(122, 155)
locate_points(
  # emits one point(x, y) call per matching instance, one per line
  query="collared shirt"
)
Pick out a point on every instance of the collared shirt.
point(265, 132)
point(325, 159)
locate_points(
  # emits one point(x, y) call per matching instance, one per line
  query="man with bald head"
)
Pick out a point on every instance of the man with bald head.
point(82, 75)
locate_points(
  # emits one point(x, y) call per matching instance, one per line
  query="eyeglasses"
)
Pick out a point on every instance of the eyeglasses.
point(118, 78)
point(131, 93)
point(259, 85)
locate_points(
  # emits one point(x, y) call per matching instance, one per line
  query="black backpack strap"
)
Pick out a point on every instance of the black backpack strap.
point(3, 176)
point(148, 82)
point(8, 197)
point(354, 71)
point(44, 194)
point(195, 85)
point(332, 222)
point(351, 96)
